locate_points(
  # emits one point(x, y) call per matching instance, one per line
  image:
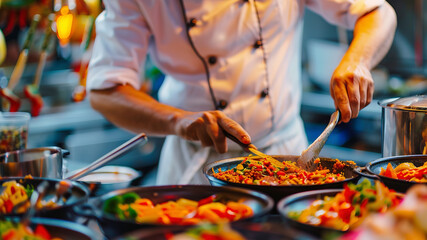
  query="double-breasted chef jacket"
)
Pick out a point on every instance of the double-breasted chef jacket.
point(251, 49)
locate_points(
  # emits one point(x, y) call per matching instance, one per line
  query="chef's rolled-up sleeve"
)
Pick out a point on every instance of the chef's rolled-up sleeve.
point(120, 48)
point(343, 12)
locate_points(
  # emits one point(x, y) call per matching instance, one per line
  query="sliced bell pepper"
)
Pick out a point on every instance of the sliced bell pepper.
point(42, 232)
point(206, 200)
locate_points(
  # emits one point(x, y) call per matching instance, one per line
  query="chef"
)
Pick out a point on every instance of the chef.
point(230, 65)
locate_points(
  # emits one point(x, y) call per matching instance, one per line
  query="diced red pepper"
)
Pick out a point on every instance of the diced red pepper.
point(209, 236)
point(348, 193)
point(42, 232)
point(345, 212)
point(9, 235)
point(206, 200)
point(8, 205)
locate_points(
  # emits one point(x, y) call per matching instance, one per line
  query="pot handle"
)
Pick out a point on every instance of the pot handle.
point(65, 152)
point(87, 210)
point(364, 173)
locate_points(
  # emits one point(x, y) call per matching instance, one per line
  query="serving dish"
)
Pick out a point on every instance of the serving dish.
point(277, 192)
point(374, 168)
point(112, 226)
point(76, 194)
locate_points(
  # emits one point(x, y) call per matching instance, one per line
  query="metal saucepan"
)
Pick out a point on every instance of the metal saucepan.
point(300, 201)
point(112, 226)
point(278, 192)
point(404, 126)
point(48, 162)
point(374, 169)
point(77, 194)
point(37, 162)
point(66, 230)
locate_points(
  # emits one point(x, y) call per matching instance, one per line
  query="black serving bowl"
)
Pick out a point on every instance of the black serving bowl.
point(76, 194)
point(300, 201)
point(374, 169)
point(248, 230)
point(112, 226)
point(62, 229)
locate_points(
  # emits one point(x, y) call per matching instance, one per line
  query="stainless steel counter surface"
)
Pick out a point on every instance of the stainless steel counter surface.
point(67, 117)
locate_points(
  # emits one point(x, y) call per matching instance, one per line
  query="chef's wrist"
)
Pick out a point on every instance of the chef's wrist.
point(175, 119)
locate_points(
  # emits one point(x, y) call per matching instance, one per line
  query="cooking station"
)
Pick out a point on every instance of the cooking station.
point(68, 171)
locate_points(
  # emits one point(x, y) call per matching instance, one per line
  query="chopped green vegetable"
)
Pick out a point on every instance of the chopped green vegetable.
point(111, 205)
point(130, 197)
point(29, 190)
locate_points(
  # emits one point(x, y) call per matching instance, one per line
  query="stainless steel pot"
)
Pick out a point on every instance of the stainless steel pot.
point(39, 162)
point(404, 126)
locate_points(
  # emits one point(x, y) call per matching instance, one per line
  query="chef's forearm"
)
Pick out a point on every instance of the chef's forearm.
point(373, 36)
point(134, 110)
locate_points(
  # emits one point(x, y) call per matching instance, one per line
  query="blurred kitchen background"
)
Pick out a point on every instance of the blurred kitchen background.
point(67, 120)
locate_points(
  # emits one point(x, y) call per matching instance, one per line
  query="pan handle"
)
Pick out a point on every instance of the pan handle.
point(88, 211)
point(65, 152)
point(362, 171)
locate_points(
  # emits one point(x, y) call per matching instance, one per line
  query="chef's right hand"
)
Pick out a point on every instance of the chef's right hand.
point(207, 127)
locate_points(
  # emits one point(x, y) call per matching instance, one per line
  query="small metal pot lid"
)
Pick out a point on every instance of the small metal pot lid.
point(413, 103)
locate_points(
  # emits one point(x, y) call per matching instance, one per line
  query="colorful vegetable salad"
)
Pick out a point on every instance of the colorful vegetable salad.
point(406, 171)
point(348, 208)
point(408, 221)
point(265, 172)
point(180, 212)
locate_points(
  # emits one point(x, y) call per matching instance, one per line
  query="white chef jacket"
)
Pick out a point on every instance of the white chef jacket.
point(227, 30)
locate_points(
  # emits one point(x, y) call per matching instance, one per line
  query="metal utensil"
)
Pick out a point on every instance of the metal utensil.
point(109, 156)
point(60, 189)
point(246, 147)
point(10, 100)
point(36, 197)
point(31, 91)
point(306, 160)
point(251, 148)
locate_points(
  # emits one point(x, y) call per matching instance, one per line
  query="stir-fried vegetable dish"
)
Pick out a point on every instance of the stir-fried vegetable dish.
point(180, 212)
point(406, 171)
point(263, 171)
point(17, 231)
point(15, 198)
point(348, 208)
point(207, 232)
point(408, 221)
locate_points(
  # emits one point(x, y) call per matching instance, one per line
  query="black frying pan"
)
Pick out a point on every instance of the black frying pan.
point(374, 169)
point(65, 230)
point(112, 226)
point(77, 194)
point(279, 192)
point(249, 230)
point(301, 201)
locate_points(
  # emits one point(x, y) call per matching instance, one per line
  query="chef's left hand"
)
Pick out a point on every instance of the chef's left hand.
point(351, 88)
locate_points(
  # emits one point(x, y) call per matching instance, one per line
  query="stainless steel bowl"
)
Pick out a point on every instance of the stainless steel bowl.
point(110, 178)
point(38, 162)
